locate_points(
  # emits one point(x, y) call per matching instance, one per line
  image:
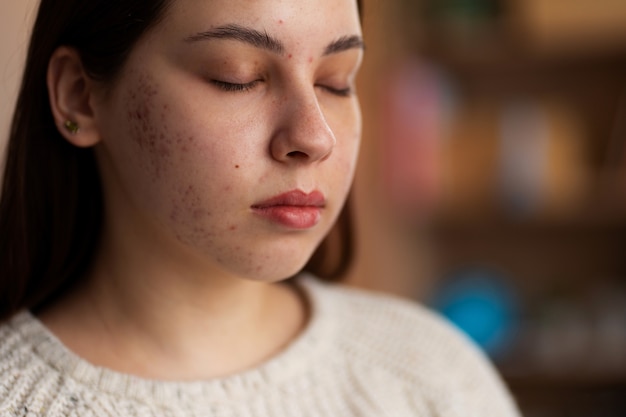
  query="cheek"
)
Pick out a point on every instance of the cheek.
point(348, 133)
point(345, 121)
point(186, 158)
point(348, 159)
point(150, 130)
point(164, 140)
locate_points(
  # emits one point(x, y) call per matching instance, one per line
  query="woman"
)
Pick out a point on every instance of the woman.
point(170, 165)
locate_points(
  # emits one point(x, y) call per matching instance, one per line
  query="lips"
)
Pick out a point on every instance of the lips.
point(294, 209)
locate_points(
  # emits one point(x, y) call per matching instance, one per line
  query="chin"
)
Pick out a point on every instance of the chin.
point(279, 273)
point(276, 269)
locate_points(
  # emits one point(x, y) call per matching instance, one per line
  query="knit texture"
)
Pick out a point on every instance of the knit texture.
point(360, 355)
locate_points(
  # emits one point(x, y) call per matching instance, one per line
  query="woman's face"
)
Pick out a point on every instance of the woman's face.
point(232, 132)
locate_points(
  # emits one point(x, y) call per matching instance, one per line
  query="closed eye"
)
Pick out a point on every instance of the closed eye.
point(341, 92)
point(234, 87)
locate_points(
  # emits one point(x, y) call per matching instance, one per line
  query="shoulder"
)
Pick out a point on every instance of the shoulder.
point(391, 324)
point(414, 345)
point(28, 385)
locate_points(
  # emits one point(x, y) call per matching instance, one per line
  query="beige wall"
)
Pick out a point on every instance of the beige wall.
point(15, 21)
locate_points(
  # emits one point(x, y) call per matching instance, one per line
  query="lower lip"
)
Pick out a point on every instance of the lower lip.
point(293, 217)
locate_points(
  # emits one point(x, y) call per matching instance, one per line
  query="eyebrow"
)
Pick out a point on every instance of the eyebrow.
point(343, 44)
point(265, 41)
point(239, 33)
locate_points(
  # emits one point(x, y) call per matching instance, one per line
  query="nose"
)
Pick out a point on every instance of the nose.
point(303, 135)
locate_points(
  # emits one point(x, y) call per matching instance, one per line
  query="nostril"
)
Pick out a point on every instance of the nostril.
point(297, 155)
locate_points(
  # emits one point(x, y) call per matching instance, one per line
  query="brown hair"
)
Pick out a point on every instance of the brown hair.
point(51, 204)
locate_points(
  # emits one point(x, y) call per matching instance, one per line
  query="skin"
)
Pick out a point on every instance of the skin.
point(194, 131)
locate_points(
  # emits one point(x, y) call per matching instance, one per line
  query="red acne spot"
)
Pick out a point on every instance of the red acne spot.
point(290, 56)
point(280, 22)
point(164, 152)
point(232, 228)
point(310, 59)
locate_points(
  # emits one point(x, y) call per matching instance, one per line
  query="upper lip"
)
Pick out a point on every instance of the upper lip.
point(295, 198)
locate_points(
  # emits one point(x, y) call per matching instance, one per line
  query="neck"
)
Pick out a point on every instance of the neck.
point(155, 317)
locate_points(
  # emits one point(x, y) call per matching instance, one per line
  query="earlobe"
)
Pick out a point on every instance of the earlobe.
point(70, 92)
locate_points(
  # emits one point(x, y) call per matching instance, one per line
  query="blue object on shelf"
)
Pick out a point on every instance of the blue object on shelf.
point(482, 305)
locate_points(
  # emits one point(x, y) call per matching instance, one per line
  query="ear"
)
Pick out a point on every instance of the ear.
point(71, 95)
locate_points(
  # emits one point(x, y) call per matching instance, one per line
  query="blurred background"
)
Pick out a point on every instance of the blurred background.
point(493, 185)
point(492, 181)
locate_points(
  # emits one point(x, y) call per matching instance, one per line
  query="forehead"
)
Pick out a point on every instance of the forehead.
point(295, 22)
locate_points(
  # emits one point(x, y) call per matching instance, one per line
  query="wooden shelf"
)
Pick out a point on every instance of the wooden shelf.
point(571, 395)
point(522, 34)
point(602, 211)
point(565, 248)
point(566, 380)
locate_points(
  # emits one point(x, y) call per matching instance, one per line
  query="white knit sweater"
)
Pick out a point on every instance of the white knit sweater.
point(361, 355)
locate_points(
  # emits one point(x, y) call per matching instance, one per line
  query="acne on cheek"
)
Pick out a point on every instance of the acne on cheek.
point(160, 147)
point(188, 216)
point(149, 132)
point(188, 200)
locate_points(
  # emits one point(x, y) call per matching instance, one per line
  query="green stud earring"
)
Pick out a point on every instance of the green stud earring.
point(72, 127)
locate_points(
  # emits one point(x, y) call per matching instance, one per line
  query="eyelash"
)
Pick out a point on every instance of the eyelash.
point(240, 88)
point(341, 92)
point(233, 87)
